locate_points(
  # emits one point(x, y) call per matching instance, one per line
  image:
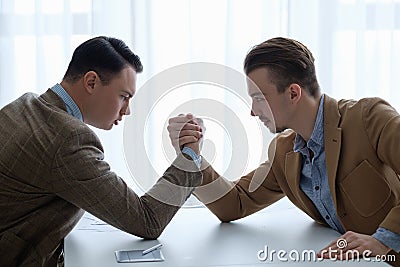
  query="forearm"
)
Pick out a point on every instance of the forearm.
point(234, 200)
point(216, 193)
point(165, 198)
point(89, 184)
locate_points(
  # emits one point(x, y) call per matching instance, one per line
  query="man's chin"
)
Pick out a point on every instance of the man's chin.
point(280, 130)
point(101, 126)
point(106, 127)
point(276, 130)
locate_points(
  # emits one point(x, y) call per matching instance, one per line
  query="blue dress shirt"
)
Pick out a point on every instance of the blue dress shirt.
point(190, 152)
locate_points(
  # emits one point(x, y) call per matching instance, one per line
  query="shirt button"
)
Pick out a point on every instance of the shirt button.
point(327, 217)
point(316, 187)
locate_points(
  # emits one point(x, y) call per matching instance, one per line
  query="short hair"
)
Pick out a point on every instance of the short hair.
point(288, 61)
point(106, 56)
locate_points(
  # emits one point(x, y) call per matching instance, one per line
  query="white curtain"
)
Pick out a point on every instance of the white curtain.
point(355, 43)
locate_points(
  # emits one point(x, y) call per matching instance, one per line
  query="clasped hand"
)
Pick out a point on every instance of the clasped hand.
point(186, 130)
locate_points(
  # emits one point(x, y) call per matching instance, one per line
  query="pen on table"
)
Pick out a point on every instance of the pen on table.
point(151, 249)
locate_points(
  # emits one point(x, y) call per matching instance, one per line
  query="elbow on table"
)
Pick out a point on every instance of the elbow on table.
point(149, 234)
point(225, 215)
point(145, 229)
point(225, 219)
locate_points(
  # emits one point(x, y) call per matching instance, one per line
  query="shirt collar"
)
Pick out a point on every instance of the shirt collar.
point(72, 107)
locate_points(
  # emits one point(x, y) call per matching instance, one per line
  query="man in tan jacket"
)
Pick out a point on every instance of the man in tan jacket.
point(338, 161)
point(52, 165)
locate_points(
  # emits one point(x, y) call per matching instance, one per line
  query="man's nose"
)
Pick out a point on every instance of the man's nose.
point(253, 109)
point(127, 110)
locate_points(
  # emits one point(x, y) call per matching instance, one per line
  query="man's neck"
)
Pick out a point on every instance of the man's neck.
point(306, 116)
point(75, 94)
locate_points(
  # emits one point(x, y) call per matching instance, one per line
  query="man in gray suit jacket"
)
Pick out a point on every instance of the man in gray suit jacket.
point(52, 164)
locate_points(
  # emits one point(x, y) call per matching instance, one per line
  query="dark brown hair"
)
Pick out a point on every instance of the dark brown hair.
point(288, 61)
point(106, 56)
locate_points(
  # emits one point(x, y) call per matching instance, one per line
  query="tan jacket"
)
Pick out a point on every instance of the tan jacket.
point(52, 168)
point(362, 149)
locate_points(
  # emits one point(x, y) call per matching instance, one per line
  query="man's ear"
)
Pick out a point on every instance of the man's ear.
point(295, 92)
point(89, 81)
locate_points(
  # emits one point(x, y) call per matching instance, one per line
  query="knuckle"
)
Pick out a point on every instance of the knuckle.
point(350, 233)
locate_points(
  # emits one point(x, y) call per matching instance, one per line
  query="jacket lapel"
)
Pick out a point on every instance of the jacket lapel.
point(292, 172)
point(332, 141)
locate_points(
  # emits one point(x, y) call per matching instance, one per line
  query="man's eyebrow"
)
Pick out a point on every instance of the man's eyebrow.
point(129, 93)
point(257, 94)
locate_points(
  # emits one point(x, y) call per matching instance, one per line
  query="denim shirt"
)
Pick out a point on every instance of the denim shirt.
point(314, 181)
point(314, 177)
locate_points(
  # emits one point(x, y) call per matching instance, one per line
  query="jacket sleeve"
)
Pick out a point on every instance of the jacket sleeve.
point(382, 124)
point(231, 200)
point(83, 178)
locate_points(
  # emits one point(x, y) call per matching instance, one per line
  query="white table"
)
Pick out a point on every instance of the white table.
point(195, 237)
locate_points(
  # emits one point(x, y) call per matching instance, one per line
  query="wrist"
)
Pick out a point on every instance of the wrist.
point(195, 148)
point(188, 152)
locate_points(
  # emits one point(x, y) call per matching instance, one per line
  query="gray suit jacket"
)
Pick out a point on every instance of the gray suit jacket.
point(52, 169)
